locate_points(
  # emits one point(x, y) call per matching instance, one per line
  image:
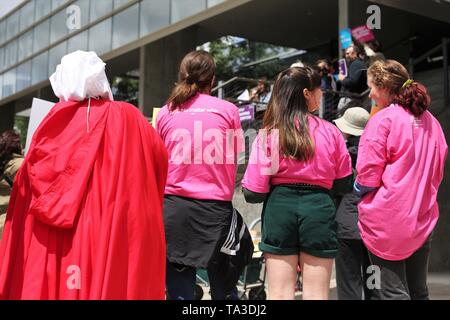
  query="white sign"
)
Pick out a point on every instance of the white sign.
point(39, 109)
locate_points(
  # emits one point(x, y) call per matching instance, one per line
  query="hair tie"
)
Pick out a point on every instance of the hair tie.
point(189, 79)
point(407, 83)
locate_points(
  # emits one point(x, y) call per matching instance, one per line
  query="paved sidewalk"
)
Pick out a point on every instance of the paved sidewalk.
point(438, 285)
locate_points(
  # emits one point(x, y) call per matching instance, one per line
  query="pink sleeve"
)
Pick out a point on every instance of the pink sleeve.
point(258, 173)
point(372, 152)
point(343, 160)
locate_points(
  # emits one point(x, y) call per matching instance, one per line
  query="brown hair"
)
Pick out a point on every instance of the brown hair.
point(197, 69)
point(287, 111)
point(9, 144)
point(392, 75)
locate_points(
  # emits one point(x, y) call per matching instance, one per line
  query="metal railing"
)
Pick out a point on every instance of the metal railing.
point(232, 88)
point(443, 47)
point(332, 107)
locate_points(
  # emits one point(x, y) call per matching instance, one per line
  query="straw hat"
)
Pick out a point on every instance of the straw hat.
point(353, 121)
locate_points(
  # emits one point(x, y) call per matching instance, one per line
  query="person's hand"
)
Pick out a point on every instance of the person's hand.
point(341, 76)
point(254, 95)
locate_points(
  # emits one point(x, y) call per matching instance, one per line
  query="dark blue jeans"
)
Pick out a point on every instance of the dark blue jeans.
point(180, 282)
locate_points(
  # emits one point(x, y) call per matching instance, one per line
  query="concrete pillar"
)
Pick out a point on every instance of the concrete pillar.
point(7, 116)
point(440, 246)
point(159, 63)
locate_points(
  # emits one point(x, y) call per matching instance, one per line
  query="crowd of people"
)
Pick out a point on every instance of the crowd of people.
point(138, 210)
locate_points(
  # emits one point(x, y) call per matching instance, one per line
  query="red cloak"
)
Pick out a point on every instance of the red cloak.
point(85, 215)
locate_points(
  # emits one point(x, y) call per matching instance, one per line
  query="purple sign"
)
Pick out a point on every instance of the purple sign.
point(247, 112)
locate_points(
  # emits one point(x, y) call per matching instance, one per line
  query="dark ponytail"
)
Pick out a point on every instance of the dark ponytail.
point(9, 144)
point(407, 93)
point(197, 70)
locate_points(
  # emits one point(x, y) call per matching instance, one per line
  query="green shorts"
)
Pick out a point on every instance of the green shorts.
point(299, 219)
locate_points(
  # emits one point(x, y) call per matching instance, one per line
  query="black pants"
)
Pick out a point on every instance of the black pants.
point(180, 282)
point(404, 279)
point(352, 261)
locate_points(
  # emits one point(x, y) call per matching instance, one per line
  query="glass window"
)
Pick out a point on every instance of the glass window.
point(125, 26)
point(2, 58)
point(11, 53)
point(12, 25)
point(99, 8)
point(84, 13)
point(55, 55)
point(25, 45)
point(43, 7)
point(155, 14)
point(78, 42)
point(1, 85)
point(23, 80)
point(57, 3)
point(58, 27)
point(9, 82)
point(2, 31)
point(41, 36)
point(100, 37)
point(39, 68)
point(119, 3)
point(214, 2)
point(27, 15)
point(185, 8)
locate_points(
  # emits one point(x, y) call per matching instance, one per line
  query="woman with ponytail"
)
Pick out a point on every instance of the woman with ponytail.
point(200, 133)
point(295, 163)
point(399, 169)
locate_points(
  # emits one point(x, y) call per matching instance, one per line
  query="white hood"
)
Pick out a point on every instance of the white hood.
point(80, 75)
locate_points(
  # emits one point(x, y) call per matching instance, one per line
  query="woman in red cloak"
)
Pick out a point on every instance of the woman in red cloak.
point(85, 216)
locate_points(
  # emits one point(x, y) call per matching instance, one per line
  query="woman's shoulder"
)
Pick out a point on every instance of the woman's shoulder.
point(322, 124)
point(13, 165)
point(393, 111)
point(218, 102)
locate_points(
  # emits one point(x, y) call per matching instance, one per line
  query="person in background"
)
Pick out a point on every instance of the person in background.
point(261, 93)
point(294, 163)
point(11, 159)
point(198, 212)
point(352, 258)
point(400, 166)
point(328, 84)
point(355, 81)
point(373, 52)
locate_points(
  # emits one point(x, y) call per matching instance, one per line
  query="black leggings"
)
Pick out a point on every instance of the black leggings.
point(404, 279)
point(352, 261)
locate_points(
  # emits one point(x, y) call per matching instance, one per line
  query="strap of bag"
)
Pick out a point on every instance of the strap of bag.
point(8, 180)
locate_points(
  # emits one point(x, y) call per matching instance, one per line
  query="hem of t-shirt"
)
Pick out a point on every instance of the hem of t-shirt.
point(205, 196)
point(256, 188)
point(386, 256)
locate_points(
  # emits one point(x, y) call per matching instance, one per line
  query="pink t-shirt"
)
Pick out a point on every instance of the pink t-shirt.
point(404, 158)
point(267, 165)
point(202, 142)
